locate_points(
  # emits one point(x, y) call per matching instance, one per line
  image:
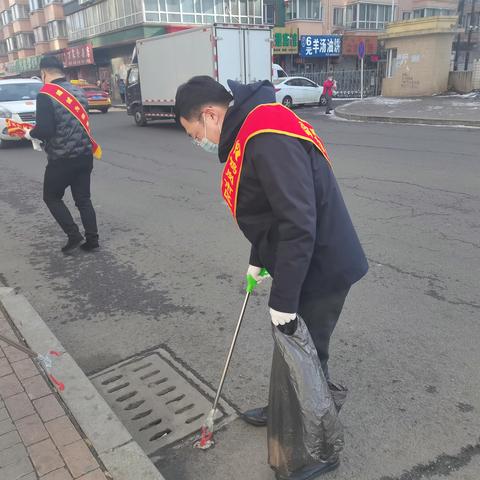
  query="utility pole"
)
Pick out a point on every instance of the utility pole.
point(390, 52)
point(461, 7)
point(470, 31)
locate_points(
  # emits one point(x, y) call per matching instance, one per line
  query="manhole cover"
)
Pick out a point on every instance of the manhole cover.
point(154, 400)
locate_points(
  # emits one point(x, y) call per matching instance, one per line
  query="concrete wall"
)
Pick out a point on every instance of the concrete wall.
point(422, 64)
point(461, 81)
point(476, 75)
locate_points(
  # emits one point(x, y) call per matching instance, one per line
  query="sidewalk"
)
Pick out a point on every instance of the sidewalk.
point(460, 110)
point(38, 435)
point(37, 438)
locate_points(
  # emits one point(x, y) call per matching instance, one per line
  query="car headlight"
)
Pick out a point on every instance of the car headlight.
point(4, 113)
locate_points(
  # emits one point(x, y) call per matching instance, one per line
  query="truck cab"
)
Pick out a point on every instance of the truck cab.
point(133, 96)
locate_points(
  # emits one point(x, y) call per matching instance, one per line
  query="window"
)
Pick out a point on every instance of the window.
point(269, 14)
point(132, 76)
point(20, 12)
point(204, 11)
point(368, 16)
point(40, 34)
point(25, 40)
point(432, 12)
point(12, 92)
point(304, 10)
point(406, 15)
point(391, 62)
point(11, 44)
point(292, 83)
point(351, 20)
point(307, 83)
point(36, 5)
point(3, 49)
point(338, 17)
point(56, 29)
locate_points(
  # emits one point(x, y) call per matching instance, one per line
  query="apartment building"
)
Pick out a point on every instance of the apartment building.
point(30, 28)
point(112, 27)
point(354, 21)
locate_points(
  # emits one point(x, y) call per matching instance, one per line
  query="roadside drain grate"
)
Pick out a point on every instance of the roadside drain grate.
point(157, 405)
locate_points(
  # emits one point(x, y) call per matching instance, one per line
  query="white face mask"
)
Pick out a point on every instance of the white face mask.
point(205, 143)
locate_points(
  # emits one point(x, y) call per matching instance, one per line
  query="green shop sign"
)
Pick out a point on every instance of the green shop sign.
point(285, 41)
point(22, 65)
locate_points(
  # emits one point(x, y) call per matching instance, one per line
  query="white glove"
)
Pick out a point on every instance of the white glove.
point(27, 134)
point(254, 272)
point(281, 318)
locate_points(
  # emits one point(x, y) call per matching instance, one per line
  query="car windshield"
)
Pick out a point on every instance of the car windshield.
point(16, 92)
point(93, 90)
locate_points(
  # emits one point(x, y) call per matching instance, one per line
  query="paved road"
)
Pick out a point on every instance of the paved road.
point(171, 273)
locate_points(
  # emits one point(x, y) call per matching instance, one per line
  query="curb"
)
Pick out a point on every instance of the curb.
point(419, 121)
point(114, 445)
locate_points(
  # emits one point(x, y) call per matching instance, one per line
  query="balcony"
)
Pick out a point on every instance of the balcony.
point(58, 44)
point(11, 3)
point(22, 26)
point(26, 52)
point(42, 48)
point(53, 12)
point(37, 18)
point(3, 5)
point(12, 56)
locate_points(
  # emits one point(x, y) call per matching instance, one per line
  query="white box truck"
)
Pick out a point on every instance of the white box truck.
point(161, 64)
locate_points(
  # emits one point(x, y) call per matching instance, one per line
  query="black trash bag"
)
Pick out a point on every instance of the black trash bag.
point(303, 424)
point(339, 393)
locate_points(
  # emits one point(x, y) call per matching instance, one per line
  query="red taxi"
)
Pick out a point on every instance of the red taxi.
point(97, 98)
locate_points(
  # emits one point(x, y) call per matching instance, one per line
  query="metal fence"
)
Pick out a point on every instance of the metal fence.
point(349, 82)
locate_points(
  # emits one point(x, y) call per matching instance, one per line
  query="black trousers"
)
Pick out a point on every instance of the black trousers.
point(321, 316)
point(74, 173)
point(329, 106)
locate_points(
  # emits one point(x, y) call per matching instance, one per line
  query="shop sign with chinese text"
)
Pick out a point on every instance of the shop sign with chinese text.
point(77, 56)
point(285, 41)
point(318, 46)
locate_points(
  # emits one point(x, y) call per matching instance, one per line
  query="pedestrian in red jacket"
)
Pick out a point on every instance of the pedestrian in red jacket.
point(329, 85)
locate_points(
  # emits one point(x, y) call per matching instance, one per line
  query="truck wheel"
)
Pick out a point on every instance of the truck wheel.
point(104, 110)
point(322, 101)
point(287, 102)
point(139, 117)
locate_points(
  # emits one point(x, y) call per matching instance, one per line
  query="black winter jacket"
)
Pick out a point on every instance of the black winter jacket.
point(63, 135)
point(291, 210)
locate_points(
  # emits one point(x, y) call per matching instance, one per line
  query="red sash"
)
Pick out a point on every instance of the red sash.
point(67, 100)
point(268, 118)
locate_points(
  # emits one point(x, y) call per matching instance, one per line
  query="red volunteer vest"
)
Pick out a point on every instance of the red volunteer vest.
point(268, 118)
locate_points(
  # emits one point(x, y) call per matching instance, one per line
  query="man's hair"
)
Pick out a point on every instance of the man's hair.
point(51, 63)
point(198, 92)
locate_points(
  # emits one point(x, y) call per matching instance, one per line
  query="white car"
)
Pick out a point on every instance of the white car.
point(18, 102)
point(292, 91)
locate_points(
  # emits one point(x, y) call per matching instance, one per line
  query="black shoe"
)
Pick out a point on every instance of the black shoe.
point(89, 246)
point(314, 471)
point(256, 417)
point(72, 244)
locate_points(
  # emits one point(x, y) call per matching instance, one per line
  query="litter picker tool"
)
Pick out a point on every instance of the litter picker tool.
point(205, 439)
point(46, 361)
